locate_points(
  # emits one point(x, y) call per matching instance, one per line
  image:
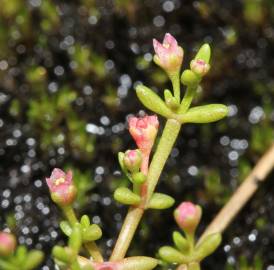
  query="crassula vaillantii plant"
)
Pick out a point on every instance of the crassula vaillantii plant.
point(143, 167)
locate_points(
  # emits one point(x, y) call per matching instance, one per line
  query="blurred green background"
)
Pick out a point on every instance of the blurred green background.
point(67, 76)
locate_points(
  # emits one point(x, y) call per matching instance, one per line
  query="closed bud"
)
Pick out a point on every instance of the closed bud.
point(132, 160)
point(189, 78)
point(188, 216)
point(62, 189)
point(144, 131)
point(7, 244)
point(199, 67)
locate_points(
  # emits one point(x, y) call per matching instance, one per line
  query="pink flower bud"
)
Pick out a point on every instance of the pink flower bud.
point(199, 66)
point(169, 55)
point(106, 266)
point(144, 131)
point(7, 244)
point(187, 216)
point(62, 189)
point(133, 160)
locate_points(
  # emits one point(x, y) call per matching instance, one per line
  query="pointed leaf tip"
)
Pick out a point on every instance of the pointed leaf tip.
point(204, 53)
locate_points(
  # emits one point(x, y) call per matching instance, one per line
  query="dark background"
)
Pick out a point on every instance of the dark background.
point(67, 76)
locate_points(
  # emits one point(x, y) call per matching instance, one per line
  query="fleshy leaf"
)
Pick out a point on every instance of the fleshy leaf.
point(85, 222)
point(208, 246)
point(180, 242)
point(204, 114)
point(126, 196)
point(33, 259)
point(92, 233)
point(138, 263)
point(204, 53)
point(65, 227)
point(160, 201)
point(172, 255)
point(152, 101)
point(62, 254)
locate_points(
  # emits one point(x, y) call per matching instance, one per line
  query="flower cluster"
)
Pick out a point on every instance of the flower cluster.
point(143, 172)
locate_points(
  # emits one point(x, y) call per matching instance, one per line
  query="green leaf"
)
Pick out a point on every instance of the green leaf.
point(152, 101)
point(92, 233)
point(207, 246)
point(62, 254)
point(138, 263)
point(167, 94)
point(160, 201)
point(85, 222)
point(204, 114)
point(126, 196)
point(75, 240)
point(180, 242)
point(7, 265)
point(172, 255)
point(204, 53)
point(33, 259)
point(21, 253)
point(170, 100)
point(65, 227)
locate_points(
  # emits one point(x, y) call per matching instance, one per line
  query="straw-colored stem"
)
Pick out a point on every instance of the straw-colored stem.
point(242, 194)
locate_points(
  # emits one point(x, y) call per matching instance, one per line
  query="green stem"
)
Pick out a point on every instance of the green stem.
point(94, 251)
point(134, 215)
point(70, 214)
point(186, 102)
point(191, 241)
point(127, 232)
point(160, 157)
point(175, 80)
point(91, 246)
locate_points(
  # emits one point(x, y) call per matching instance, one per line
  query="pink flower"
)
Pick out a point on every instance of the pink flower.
point(7, 244)
point(144, 131)
point(199, 66)
point(133, 160)
point(169, 55)
point(187, 216)
point(61, 187)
